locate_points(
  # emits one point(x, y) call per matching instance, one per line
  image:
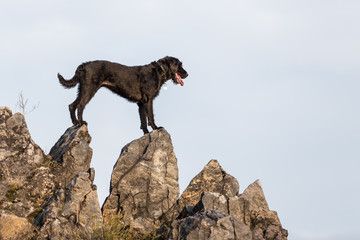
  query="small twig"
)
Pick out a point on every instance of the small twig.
point(22, 102)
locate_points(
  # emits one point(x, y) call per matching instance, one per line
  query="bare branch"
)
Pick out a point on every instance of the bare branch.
point(22, 103)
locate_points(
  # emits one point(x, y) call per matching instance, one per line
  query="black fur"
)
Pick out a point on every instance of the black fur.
point(140, 84)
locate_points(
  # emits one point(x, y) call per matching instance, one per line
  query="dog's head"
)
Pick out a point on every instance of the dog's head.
point(175, 70)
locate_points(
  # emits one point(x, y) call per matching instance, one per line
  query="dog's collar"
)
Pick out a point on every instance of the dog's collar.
point(161, 66)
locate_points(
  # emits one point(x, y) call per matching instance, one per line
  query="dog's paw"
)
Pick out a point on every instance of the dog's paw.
point(84, 123)
point(145, 130)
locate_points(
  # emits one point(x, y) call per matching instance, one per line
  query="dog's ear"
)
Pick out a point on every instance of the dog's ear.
point(164, 60)
point(172, 64)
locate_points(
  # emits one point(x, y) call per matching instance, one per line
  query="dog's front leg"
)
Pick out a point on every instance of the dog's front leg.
point(142, 113)
point(150, 115)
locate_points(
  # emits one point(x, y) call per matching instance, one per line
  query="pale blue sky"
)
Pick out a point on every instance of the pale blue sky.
point(272, 92)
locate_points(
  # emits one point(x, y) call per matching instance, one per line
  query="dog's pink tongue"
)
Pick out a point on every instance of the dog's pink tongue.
point(179, 79)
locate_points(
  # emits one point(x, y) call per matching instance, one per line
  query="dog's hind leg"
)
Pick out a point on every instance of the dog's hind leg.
point(72, 108)
point(143, 114)
point(85, 97)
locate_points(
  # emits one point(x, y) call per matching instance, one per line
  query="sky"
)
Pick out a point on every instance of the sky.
point(272, 92)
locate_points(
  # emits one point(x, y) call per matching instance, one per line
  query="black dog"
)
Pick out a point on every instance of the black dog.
point(140, 84)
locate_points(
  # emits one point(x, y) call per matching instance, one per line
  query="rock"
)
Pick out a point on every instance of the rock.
point(25, 179)
point(211, 179)
point(144, 182)
point(204, 225)
point(28, 178)
point(250, 208)
point(72, 213)
point(56, 192)
point(212, 200)
point(14, 228)
point(214, 189)
point(71, 154)
point(18, 152)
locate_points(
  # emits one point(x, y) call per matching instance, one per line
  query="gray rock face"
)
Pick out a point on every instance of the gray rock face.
point(25, 179)
point(71, 154)
point(73, 213)
point(144, 182)
point(250, 208)
point(210, 224)
point(211, 179)
point(28, 178)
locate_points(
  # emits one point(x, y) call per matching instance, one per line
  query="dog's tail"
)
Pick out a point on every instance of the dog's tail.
point(72, 82)
point(68, 83)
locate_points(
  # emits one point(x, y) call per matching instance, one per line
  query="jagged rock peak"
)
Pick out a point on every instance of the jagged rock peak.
point(18, 152)
point(212, 178)
point(144, 182)
point(32, 185)
point(72, 136)
point(71, 154)
point(25, 181)
point(214, 189)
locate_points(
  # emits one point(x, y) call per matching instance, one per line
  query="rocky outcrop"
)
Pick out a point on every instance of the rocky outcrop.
point(144, 182)
point(25, 178)
point(212, 179)
point(210, 224)
point(71, 154)
point(250, 208)
point(41, 195)
point(73, 212)
point(53, 196)
point(214, 189)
